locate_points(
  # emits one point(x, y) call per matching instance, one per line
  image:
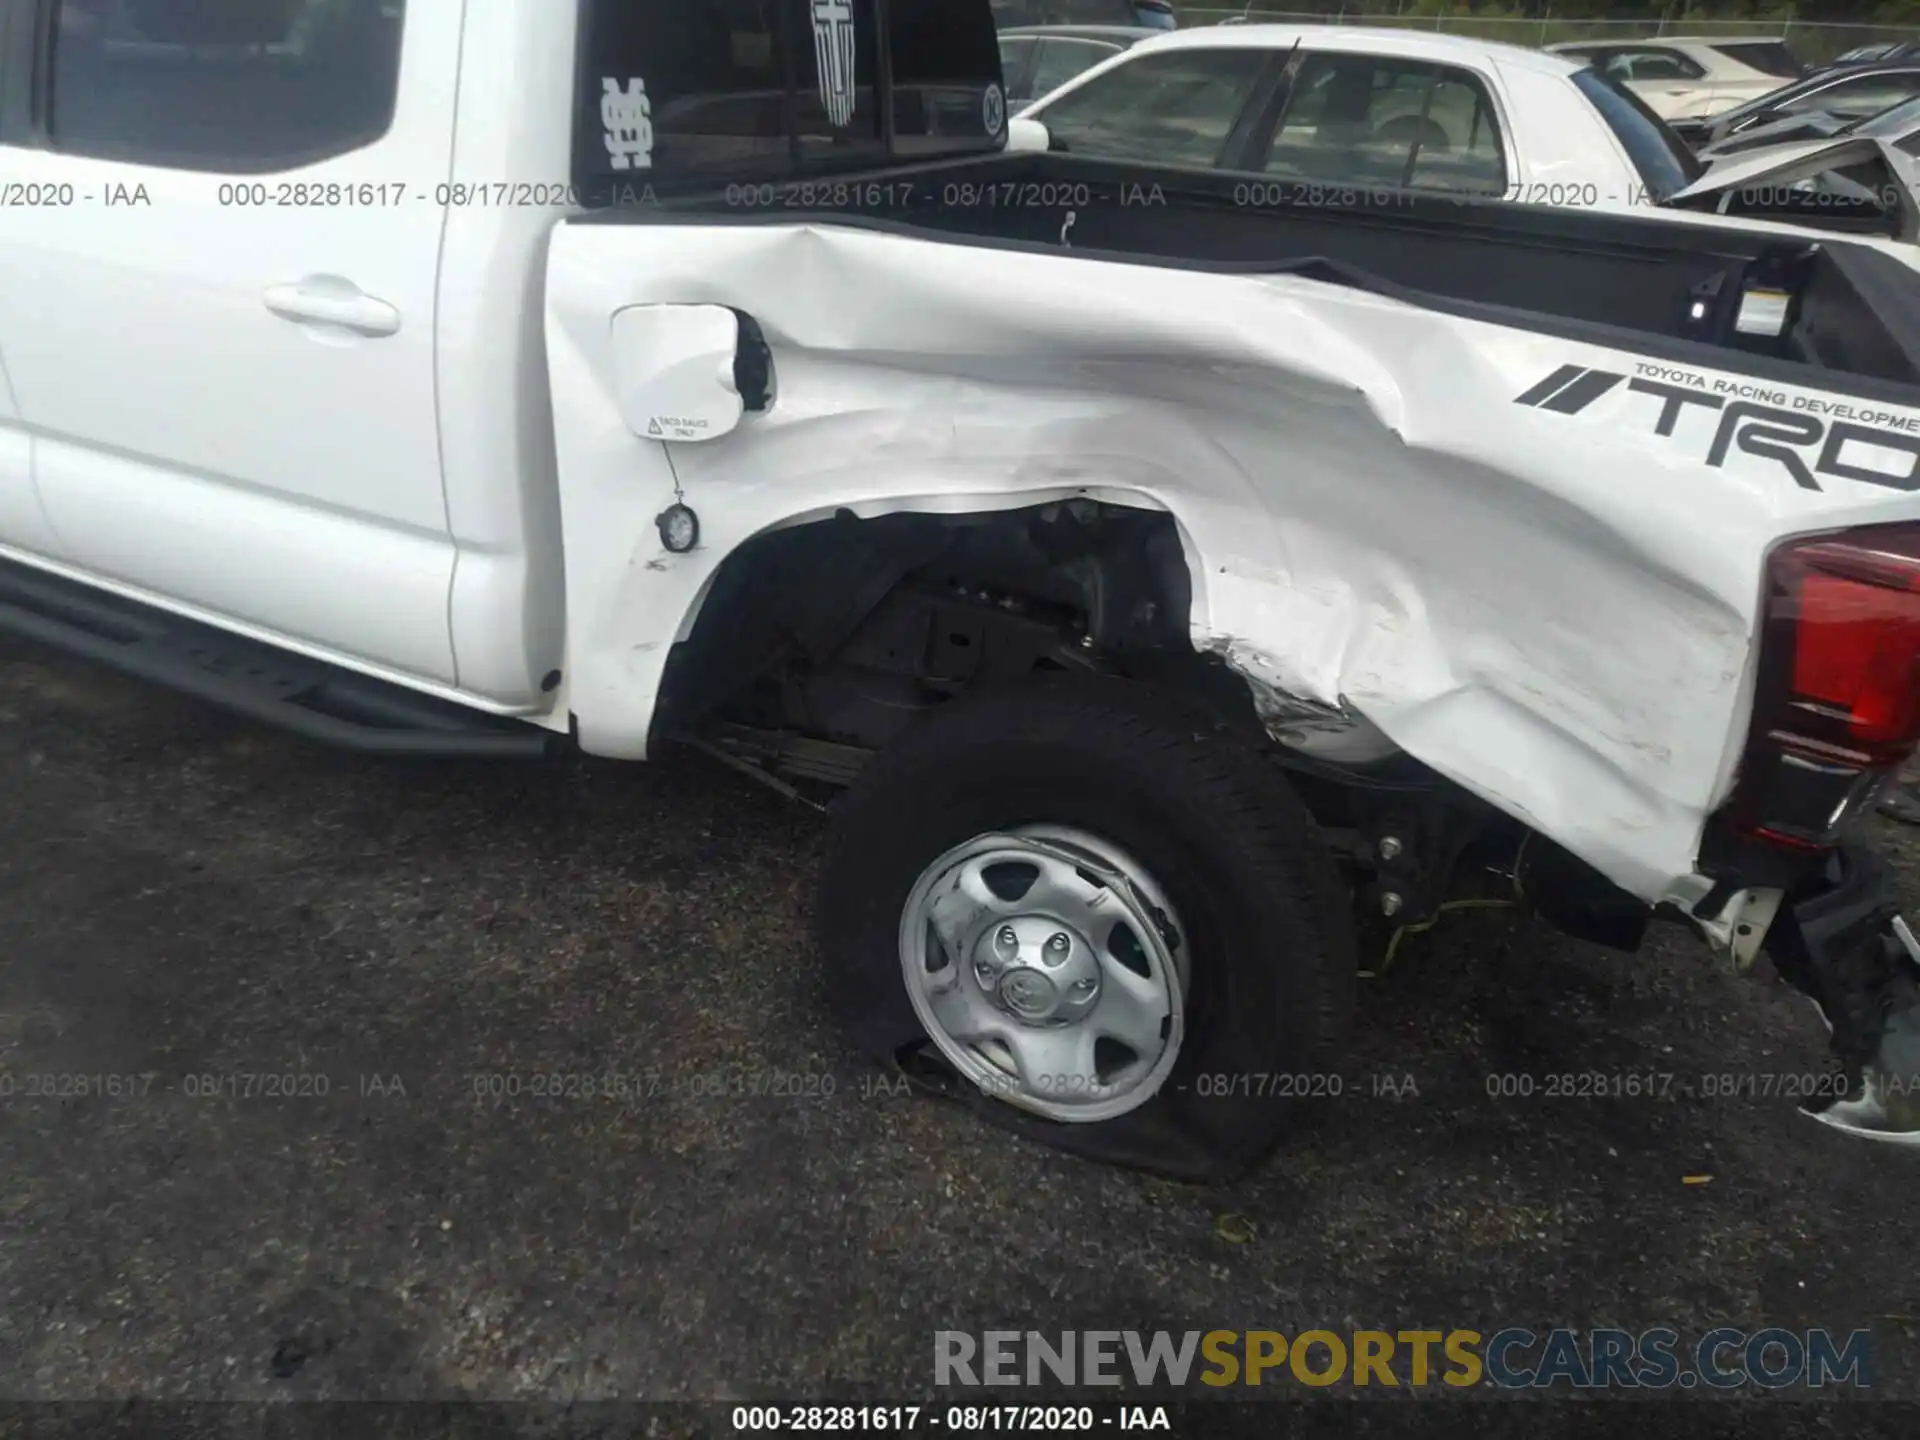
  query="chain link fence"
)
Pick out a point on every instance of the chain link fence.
point(1810, 41)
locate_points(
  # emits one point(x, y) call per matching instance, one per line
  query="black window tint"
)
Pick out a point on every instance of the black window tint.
point(1361, 120)
point(1769, 57)
point(945, 61)
point(694, 88)
point(236, 86)
point(1174, 107)
point(691, 92)
point(835, 63)
point(1661, 157)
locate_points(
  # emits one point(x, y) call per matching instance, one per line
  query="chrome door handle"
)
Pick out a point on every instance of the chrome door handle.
point(325, 300)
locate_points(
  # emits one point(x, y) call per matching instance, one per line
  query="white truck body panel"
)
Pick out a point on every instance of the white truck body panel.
point(384, 501)
point(1556, 611)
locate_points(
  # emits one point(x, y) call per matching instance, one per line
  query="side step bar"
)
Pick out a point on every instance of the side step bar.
point(308, 697)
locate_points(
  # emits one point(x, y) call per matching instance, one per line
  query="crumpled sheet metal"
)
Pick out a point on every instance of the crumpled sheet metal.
point(1554, 610)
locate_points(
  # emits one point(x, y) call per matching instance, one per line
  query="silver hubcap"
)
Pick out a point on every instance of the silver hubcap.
point(1049, 970)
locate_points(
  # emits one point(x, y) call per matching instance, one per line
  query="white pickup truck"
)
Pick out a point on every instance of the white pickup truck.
point(1176, 594)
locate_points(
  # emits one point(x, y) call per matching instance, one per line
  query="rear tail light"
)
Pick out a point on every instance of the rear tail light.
point(1837, 703)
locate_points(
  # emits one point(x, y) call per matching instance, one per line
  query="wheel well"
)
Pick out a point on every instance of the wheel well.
point(817, 645)
point(844, 628)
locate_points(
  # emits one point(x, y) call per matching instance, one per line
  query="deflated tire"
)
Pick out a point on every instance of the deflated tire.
point(1095, 915)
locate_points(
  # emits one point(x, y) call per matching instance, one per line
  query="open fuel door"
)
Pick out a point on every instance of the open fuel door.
point(675, 371)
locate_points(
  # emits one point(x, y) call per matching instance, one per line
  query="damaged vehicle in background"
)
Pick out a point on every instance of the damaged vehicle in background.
point(1861, 168)
point(1874, 54)
point(1849, 94)
point(1898, 124)
point(1856, 184)
point(1168, 613)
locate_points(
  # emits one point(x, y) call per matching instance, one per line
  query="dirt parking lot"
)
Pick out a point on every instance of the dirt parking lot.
point(336, 985)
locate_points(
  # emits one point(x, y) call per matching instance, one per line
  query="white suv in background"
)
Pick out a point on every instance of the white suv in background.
point(1691, 77)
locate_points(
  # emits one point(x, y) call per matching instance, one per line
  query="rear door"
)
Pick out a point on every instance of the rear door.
point(220, 339)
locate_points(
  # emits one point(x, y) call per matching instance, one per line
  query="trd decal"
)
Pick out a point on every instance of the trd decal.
point(1570, 389)
point(1791, 434)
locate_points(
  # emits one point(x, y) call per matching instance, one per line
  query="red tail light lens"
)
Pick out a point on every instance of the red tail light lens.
point(1854, 605)
point(1837, 703)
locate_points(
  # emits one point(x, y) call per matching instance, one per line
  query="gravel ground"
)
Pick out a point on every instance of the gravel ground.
point(191, 900)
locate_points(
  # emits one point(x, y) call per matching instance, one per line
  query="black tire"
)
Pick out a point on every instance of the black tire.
point(1269, 924)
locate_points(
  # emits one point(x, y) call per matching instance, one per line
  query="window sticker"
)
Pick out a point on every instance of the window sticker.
point(833, 49)
point(627, 116)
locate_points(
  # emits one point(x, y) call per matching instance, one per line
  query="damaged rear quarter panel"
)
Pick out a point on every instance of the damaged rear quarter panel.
point(1553, 610)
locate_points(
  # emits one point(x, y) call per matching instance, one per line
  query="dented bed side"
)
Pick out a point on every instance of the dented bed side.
point(1518, 557)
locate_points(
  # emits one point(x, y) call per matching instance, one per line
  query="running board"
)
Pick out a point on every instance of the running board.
point(262, 682)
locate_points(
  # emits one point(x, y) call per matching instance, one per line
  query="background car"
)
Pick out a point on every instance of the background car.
point(1880, 54)
point(1146, 14)
point(1897, 123)
point(1861, 184)
point(1852, 94)
point(1334, 114)
point(1687, 77)
point(1038, 59)
point(1341, 106)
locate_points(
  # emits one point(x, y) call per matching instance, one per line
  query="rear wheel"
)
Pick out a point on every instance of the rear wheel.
point(1098, 917)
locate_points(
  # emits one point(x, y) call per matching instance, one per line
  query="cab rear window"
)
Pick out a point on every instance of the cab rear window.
point(692, 93)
